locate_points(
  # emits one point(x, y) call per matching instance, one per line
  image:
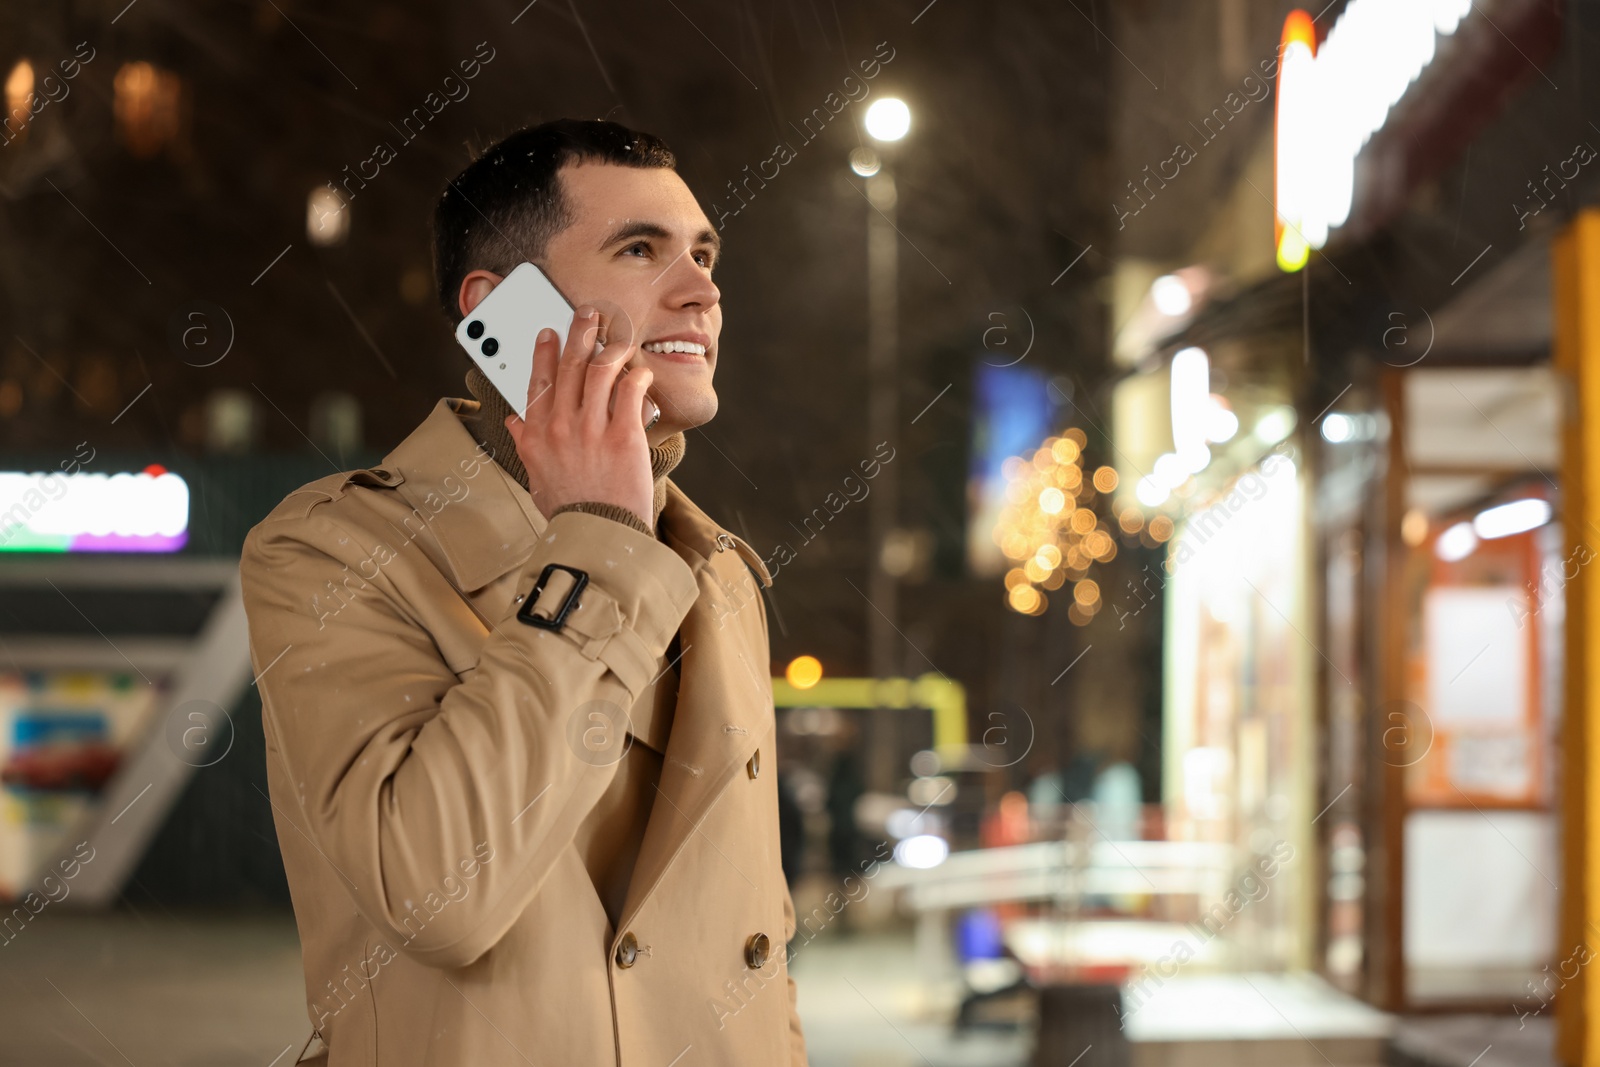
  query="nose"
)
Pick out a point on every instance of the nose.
point(689, 286)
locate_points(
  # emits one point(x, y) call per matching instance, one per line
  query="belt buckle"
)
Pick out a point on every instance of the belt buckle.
point(569, 603)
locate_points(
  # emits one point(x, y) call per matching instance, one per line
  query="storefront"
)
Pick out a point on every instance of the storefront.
point(1282, 418)
point(1442, 573)
point(1433, 445)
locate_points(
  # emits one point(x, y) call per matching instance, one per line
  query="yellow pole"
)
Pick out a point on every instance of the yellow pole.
point(1575, 272)
point(946, 699)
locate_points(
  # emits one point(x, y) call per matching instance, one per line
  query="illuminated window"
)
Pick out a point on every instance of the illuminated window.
point(19, 99)
point(145, 105)
point(327, 217)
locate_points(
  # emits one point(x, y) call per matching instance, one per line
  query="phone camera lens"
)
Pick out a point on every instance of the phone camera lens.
point(474, 329)
point(490, 346)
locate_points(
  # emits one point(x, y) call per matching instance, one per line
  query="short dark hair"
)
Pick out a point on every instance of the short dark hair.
point(508, 203)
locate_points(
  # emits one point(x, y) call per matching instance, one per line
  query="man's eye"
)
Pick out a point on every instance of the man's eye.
point(641, 246)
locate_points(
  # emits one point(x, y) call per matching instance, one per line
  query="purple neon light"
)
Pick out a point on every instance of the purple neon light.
point(128, 542)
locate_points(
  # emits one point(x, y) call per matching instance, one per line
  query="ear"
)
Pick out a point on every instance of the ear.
point(474, 287)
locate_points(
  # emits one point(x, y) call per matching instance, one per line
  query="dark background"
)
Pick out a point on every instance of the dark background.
point(1001, 186)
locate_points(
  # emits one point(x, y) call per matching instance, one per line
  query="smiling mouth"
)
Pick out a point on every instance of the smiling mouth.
point(668, 347)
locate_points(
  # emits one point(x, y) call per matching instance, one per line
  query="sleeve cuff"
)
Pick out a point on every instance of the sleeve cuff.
point(623, 515)
point(639, 591)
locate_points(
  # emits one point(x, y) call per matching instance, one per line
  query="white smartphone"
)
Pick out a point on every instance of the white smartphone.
point(500, 333)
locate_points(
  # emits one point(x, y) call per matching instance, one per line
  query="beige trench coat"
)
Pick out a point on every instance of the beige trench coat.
point(428, 760)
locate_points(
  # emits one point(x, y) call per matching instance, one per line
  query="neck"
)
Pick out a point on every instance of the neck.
point(489, 426)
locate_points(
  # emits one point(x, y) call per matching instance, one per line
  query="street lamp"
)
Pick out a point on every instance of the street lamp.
point(887, 121)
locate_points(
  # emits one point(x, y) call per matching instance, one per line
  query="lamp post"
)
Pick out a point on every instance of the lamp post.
point(887, 121)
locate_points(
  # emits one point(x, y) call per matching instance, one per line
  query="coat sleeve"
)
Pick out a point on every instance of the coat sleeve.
point(407, 777)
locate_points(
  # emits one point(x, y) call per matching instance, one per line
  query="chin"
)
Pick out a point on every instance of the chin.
point(689, 408)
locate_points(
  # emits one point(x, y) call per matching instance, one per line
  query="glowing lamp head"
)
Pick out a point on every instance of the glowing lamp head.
point(1171, 296)
point(1294, 251)
point(1456, 543)
point(803, 672)
point(1519, 516)
point(888, 119)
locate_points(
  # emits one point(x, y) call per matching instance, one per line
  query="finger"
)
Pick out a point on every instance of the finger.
point(598, 383)
point(546, 352)
point(631, 402)
point(574, 365)
point(616, 327)
point(516, 427)
point(632, 360)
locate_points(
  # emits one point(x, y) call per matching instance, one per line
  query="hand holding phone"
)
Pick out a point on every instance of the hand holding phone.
point(500, 333)
point(572, 444)
point(572, 437)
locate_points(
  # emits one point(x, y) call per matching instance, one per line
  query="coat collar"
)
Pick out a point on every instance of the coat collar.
point(684, 522)
point(482, 528)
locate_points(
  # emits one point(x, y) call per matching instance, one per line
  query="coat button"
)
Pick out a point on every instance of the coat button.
point(755, 951)
point(627, 950)
point(754, 766)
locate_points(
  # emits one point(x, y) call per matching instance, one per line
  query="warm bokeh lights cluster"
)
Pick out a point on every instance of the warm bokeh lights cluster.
point(1049, 527)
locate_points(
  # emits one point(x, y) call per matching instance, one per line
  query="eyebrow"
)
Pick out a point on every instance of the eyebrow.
point(644, 228)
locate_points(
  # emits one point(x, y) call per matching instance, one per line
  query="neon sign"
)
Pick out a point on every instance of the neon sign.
point(146, 511)
point(1333, 97)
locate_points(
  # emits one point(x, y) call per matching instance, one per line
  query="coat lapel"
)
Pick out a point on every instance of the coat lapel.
point(724, 708)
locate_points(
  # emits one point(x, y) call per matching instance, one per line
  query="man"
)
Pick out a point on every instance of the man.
point(515, 684)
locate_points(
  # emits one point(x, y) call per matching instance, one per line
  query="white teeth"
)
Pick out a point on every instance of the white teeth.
point(675, 346)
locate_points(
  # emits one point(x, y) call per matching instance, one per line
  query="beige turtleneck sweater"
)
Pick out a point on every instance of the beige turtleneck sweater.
point(608, 839)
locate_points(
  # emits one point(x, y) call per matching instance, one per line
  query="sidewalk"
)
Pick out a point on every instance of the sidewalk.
point(863, 1001)
point(91, 990)
point(149, 988)
point(1475, 1041)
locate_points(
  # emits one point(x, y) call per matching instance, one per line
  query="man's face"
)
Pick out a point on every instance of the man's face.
point(641, 250)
